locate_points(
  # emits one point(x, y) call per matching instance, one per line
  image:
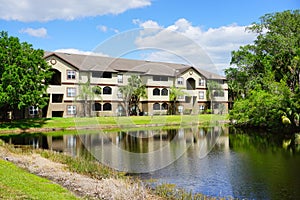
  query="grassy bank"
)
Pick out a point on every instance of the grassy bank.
point(16, 183)
point(108, 123)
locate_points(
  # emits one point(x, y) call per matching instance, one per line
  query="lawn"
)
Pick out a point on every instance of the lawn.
point(112, 122)
point(16, 183)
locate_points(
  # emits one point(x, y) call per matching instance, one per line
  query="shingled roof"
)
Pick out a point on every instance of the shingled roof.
point(101, 63)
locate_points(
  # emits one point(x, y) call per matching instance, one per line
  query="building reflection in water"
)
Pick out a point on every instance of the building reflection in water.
point(134, 151)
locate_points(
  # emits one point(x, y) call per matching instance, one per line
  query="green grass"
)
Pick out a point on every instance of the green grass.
point(16, 183)
point(107, 123)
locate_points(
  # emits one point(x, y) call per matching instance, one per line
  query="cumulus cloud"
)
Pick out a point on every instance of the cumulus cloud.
point(37, 10)
point(40, 32)
point(208, 49)
point(77, 51)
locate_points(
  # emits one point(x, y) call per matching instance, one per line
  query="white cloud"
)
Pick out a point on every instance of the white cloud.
point(104, 29)
point(37, 10)
point(77, 51)
point(40, 32)
point(209, 49)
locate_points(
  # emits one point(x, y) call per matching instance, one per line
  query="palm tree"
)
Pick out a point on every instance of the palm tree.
point(175, 92)
point(87, 94)
point(212, 86)
point(132, 92)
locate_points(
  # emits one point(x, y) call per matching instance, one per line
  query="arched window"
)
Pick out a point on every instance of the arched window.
point(97, 107)
point(107, 90)
point(164, 92)
point(164, 106)
point(156, 92)
point(106, 106)
point(156, 106)
point(190, 84)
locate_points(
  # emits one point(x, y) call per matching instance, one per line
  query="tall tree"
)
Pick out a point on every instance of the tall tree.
point(24, 75)
point(175, 93)
point(266, 68)
point(213, 89)
point(132, 92)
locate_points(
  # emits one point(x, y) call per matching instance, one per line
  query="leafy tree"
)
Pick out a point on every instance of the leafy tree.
point(24, 75)
point(132, 92)
point(268, 71)
point(175, 92)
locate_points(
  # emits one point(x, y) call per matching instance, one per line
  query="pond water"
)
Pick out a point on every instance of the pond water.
point(214, 161)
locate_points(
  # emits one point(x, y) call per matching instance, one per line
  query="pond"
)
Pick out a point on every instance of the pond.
point(214, 161)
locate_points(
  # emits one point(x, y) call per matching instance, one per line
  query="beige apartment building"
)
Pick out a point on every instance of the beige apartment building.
point(71, 71)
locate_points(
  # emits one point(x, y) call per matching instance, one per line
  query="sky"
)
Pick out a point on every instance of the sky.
point(195, 32)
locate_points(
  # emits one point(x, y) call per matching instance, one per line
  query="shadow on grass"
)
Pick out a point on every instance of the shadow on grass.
point(23, 124)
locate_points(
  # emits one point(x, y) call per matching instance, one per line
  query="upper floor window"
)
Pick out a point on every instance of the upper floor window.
point(71, 74)
point(164, 92)
point(201, 82)
point(180, 80)
point(97, 74)
point(160, 78)
point(120, 78)
point(156, 92)
point(218, 93)
point(71, 92)
point(107, 90)
point(201, 95)
point(120, 94)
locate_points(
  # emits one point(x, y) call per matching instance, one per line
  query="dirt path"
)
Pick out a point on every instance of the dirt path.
point(80, 185)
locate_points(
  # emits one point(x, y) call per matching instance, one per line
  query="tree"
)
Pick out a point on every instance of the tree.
point(24, 75)
point(87, 94)
point(175, 93)
point(131, 93)
point(213, 88)
point(268, 71)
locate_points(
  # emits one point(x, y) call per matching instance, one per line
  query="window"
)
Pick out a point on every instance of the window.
point(156, 92)
point(107, 75)
point(97, 90)
point(164, 92)
point(97, 107)
point(71, 92)
point(107, 90)
point(216, 106)
point(218, 93)
point(71, 74)
point(71, 110)
point(96, 74)
point(57, 98)
point(180, 80)
point(156, 106)
point(201, 95)
point(120, 94)
point(106, 107)
point(33, 110)
point(201, 107)
point(201, 82)
point(160, 78)
point(120, 78)
point(164, 106)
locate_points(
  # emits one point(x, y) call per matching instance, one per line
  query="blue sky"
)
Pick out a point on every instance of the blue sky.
point(197, 31)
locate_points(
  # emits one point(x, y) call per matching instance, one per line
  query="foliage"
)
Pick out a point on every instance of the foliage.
point(131, 93)
point(24, 75)
point(175, 93)
point(265, 82)
point(212, 87)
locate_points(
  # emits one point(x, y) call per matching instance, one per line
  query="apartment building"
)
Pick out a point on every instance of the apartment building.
point(106, 74)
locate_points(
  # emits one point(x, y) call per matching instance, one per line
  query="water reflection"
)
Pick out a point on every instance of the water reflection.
point(205, 160)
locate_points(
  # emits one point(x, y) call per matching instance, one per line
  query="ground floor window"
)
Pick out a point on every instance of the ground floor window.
point(106, 107)
point(164, 106)
point(71, 110)
point(156, 106)
point(97, 107)
point(33, 110)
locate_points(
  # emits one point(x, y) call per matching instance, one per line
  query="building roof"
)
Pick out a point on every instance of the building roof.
point(101, 63)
